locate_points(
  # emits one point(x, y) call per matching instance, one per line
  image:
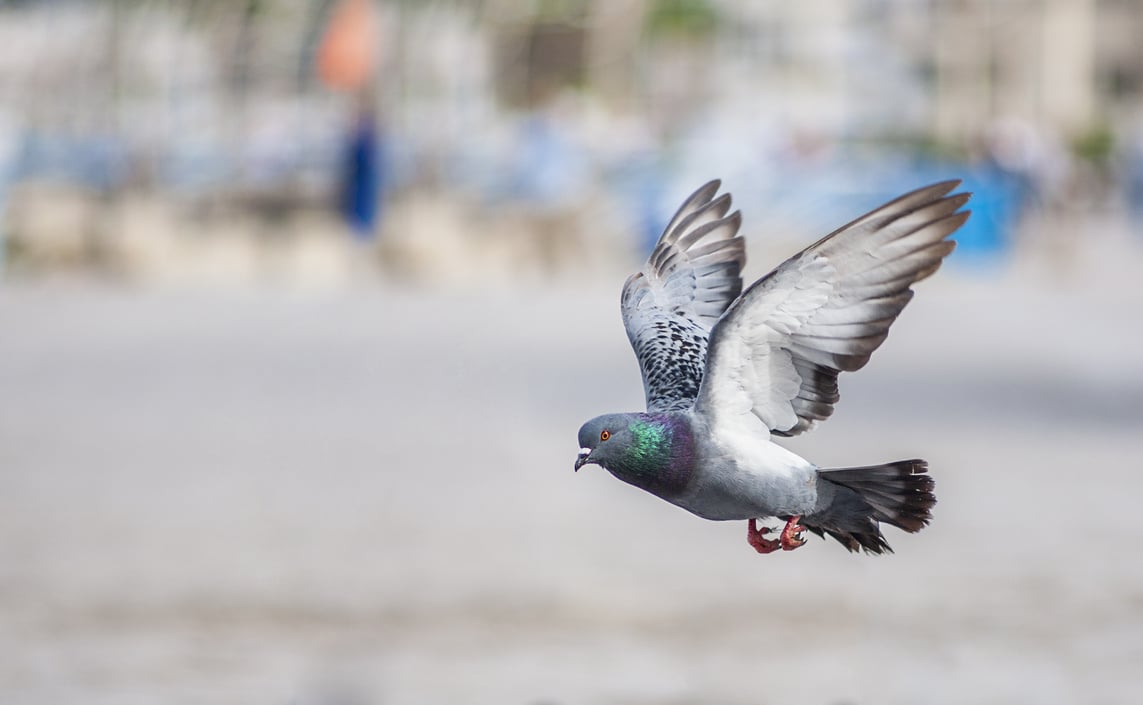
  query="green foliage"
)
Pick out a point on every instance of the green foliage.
point(694, 19)
point(1095, 145)
point(561, 10)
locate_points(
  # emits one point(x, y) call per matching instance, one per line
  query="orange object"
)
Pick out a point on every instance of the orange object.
point(346, 57)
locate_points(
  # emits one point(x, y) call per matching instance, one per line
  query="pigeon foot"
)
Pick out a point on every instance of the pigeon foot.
point(791, 536)
point(757, 538)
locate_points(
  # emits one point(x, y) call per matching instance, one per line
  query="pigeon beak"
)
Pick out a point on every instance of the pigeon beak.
point(583, 458)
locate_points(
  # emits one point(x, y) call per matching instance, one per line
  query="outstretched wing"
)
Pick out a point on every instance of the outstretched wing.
point(778, 350)
point(691, 277)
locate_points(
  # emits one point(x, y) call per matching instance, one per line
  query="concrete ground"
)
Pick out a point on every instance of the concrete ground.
point(366, 496)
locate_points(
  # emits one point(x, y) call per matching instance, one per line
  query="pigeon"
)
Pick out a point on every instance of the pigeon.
point(726, 370)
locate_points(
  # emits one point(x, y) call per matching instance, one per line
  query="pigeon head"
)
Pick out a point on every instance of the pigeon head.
point(604, 440)
point(652, 451)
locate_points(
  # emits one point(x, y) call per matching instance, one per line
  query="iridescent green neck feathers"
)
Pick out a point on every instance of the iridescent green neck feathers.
point(651, 451)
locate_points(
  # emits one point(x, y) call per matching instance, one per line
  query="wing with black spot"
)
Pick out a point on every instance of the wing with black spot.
point(669, 308)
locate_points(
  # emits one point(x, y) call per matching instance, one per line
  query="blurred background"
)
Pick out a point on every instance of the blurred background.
point(302, 304)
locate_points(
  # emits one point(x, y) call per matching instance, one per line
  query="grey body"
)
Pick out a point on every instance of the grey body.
point(737, 480)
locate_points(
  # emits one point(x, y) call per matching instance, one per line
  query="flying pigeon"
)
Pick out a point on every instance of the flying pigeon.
point(726, 370)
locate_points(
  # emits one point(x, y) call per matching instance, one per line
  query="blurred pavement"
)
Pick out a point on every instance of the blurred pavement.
point(366, 496)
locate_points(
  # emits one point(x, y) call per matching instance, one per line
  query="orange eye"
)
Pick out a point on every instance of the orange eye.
point(605, 435)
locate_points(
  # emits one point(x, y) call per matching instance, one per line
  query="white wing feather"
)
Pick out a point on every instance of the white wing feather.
point(778, 349)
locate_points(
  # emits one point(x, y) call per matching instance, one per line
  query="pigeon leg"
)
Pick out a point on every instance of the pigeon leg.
point(757, 538)
point(791, 536)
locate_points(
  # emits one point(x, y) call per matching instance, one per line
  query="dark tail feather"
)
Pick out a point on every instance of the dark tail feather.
point(899, 493)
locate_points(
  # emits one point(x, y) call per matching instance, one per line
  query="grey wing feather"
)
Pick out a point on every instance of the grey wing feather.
point(779, 349)
point(669, 307)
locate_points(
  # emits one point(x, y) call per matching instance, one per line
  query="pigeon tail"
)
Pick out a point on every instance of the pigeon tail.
point(899, 493)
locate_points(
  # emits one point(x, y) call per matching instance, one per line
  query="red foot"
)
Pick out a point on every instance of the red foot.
point(791, 536)
point(757, 538)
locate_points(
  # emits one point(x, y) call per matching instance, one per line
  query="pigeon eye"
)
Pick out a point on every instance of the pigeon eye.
point(605, 435)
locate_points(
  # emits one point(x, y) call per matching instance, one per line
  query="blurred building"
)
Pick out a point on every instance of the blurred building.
point(215, 105)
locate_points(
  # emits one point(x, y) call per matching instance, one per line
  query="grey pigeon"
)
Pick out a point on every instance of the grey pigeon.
point(725, 370)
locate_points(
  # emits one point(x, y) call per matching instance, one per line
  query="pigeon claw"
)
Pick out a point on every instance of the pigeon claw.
point(757, 538)
point(791, 536)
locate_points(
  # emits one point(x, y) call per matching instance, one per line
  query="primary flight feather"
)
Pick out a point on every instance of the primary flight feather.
point(725, 369)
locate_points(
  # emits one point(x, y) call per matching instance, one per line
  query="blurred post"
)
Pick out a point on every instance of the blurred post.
point(9, 148)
